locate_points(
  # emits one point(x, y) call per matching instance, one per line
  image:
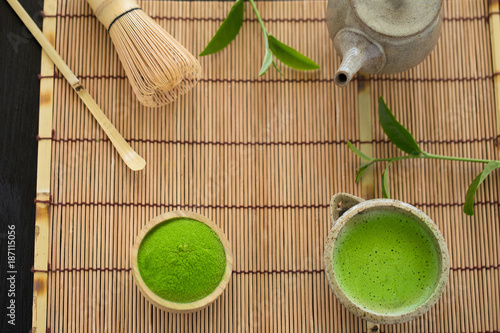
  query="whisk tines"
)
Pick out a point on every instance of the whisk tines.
point(158, 67)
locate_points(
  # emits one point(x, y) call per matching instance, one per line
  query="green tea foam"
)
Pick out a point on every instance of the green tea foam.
point(386, 262)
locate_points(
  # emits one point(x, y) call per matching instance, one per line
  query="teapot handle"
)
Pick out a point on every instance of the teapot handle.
point(340, 203)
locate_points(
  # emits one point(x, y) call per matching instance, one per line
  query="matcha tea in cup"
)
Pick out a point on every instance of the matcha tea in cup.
point(181, 261)
point(385, 260)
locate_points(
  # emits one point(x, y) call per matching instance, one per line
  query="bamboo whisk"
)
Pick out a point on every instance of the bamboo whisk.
point(158, 67)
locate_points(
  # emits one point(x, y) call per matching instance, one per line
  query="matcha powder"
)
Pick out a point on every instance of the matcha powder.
point(181, 260)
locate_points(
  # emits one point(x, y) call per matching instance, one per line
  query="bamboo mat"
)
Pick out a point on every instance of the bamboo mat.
point(261, 157)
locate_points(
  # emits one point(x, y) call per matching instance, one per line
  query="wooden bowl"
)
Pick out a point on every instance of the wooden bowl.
point(173, 306)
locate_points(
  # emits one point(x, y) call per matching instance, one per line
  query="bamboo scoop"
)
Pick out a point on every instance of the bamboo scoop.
point(129, 156)
point(158, 67)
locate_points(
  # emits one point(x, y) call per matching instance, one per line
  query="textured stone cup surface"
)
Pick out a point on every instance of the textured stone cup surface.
point(345, 206)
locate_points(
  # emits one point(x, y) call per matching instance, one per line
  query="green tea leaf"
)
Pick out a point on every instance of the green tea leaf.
point(358, 152)
point(268, 60)
point(385, 182)
point(471, 191)
point(361, 170)
point(290, 56)
point(396, 132)
point(227, 31)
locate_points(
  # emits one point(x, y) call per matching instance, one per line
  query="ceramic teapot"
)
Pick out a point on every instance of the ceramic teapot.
point(382, 36)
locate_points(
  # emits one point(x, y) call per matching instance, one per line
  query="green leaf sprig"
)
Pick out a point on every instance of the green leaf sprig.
point(230, 28)
point(405, 141)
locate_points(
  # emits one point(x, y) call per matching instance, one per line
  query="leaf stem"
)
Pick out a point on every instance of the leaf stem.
point(256, 11)
point(453, 158)
point(393, 159)
point(434, 157)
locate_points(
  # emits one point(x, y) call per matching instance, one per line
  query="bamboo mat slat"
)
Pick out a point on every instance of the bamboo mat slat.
point(261, 157)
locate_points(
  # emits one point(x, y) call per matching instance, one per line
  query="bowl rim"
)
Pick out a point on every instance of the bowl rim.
point(372, 316)
point(166, 304)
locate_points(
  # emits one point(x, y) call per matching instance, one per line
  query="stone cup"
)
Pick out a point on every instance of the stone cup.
point(345, 206)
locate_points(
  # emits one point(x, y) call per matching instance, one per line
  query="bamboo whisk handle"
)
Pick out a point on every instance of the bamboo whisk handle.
point(107, 11)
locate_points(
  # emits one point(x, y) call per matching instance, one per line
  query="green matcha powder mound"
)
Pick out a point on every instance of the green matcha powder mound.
point(181, 260)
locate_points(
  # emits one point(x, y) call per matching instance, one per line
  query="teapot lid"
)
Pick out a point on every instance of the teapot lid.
point(397, 18)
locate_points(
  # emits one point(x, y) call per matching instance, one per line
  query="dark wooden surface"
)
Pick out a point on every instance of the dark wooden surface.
point(19, 91)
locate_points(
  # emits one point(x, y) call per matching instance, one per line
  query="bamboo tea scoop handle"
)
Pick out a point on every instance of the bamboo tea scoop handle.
point(129, 156)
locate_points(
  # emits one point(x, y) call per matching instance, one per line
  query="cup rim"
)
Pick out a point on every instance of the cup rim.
point(166, 304)
point(371, 315)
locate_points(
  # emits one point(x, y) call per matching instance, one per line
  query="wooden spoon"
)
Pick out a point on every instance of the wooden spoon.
point(129, 156)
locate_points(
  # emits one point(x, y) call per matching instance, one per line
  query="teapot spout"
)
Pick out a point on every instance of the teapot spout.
point(358, 53)
point(352, 61)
